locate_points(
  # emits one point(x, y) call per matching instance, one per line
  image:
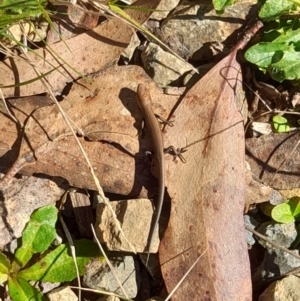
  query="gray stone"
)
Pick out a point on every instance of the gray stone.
point(135, 217)
point(282, 234)
point(22, 197)
point(163, 67)
point(62, 294)
point(99, 276)
point(252, 223)
point(129, 50)
point(277, 262)
point(201, 30)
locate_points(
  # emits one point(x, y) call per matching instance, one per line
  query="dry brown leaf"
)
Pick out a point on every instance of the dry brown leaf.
point(274, 159)
point(63, 29)
point(86, 53)
point(208, 191)
point(83, 18)
point(105, 109)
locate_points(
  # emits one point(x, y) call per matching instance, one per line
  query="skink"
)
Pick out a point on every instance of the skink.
point(153, 128)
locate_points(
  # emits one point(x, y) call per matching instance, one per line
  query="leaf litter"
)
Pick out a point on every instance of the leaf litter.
point(112, 143)
point(223, 123)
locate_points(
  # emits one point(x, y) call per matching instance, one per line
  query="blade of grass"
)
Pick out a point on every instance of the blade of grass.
point(101, 292)
point(29, 81)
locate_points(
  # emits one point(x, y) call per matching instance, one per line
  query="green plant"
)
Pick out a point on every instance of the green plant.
point(280, 124)
point(287, 212)
point(52, 265)
point(220, 5)
point(12, 11)
point(278, 53)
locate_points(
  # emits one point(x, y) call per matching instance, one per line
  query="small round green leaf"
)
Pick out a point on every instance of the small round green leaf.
point(287, 212)
point(282, 213)
point(280, 124)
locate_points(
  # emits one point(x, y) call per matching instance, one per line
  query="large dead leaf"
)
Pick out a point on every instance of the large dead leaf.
point(84, 54)
point(105, 109)
point(208, 191)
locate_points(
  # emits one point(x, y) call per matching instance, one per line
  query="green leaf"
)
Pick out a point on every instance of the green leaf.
point(289, 36)
point(37, 235)
point(4, 268)
point(280, 59)
point(21, 290)
point(279, 52)
point(288, 68)
point(58, 265)
point(40, 231)
point(280, 124)
point(287, 212)
point(282, 214)
point(220, 5)
point(272, 9)
point(264, 54)
point(296, 242)
point(12, 11)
